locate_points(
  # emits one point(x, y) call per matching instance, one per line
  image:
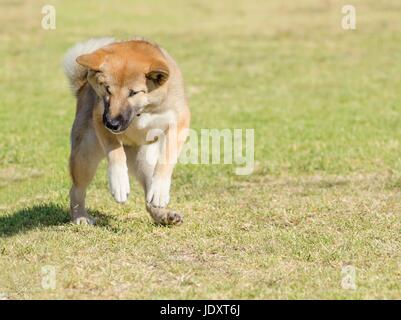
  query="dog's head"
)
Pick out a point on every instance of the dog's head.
point(124, 74)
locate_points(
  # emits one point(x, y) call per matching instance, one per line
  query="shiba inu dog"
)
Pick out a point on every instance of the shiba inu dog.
point(124, 91)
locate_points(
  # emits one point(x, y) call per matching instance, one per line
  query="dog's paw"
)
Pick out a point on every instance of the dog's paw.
point(159, 193)
point(164, 216)
point(88, 220)
point(119, 182)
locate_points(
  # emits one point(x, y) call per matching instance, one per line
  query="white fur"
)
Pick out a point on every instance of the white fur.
point(160, 121)
point(159, 192)
point(74, 72)
point(119, 182)
point(140, 101)
point(84, 220)
point(157, 189)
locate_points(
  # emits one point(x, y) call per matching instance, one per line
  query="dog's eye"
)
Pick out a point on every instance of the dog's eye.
point(108, 90)
point(132, 93)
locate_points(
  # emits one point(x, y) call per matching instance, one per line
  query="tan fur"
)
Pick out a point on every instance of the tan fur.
point(131, 87)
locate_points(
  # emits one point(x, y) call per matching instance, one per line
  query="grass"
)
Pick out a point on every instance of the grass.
point(325, 106)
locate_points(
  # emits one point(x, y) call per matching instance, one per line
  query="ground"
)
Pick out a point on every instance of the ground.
point(324, 197)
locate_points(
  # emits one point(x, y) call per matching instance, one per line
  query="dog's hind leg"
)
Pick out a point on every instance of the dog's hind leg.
point(86, 154)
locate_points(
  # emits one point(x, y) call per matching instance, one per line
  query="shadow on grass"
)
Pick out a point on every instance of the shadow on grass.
point(44, 215)
point(40, 216)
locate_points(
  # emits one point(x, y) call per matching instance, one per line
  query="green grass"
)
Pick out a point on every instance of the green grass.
point(325, 106)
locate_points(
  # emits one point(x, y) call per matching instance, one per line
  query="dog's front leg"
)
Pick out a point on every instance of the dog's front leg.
point(158, 191)
point(118, 173)
point(117, 161)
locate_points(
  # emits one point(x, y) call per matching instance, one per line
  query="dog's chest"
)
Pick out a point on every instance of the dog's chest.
point(144, 128)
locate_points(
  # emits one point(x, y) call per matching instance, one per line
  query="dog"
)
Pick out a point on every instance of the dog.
point(125, 90)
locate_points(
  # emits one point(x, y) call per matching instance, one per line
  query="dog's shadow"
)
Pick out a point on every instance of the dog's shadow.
point(39, 216)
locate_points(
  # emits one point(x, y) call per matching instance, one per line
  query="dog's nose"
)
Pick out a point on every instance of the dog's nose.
point(113, 124)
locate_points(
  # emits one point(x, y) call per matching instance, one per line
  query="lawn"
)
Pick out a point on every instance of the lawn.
point(325, 193)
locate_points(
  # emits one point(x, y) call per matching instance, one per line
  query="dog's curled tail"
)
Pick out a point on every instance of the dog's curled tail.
point(75, 73)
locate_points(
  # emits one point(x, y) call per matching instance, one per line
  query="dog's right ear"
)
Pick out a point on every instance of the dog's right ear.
point(92, 61)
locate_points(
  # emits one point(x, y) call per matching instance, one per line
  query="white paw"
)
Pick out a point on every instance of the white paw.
point(84, 220)
point(119, 182)
point(158, 194)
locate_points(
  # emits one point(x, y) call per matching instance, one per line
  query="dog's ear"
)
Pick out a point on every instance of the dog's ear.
point(92, 61)
point(158, 72)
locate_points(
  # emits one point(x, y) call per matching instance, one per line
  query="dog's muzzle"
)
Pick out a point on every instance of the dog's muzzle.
point(121, 122)
point(114, 124)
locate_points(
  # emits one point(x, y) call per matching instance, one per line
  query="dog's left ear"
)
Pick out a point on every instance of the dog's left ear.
point(92, 61)
point(158, 73)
